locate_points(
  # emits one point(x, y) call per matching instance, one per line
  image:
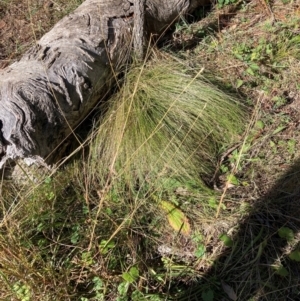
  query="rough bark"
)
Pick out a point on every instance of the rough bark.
point(139, 26)
point(57, 82)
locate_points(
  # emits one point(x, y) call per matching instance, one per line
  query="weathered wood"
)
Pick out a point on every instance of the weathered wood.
point(139, 26)
point(57, 82)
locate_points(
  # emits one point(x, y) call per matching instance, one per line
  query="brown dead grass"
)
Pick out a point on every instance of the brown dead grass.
point(22, 23)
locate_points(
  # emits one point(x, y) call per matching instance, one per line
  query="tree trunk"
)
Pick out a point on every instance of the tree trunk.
point(57, 82)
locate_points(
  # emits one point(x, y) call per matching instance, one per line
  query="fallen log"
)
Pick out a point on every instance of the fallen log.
point(57, 82)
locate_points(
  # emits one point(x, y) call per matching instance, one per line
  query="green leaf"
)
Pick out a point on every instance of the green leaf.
point(48, 180)
point(279, 129)
point(240, 57)
point(108, 211)
point(226, 240)
point(85, 209)
point(239, 83)
point(207, 295)
point(281, 271)
point(200, 250)
point(287, 233)
point(123, 288)
point(137, 296)
point(75, 238)
point(250, 71)
point(213, 203)
point(295, 255)
point(177, 219)
point(232, 179)
point(87, 258)
point(131, 276)
point(259, 125)
point(291, 146)
point(127, 277)
point(98, 284)
point(254, 67)
point(105, 246)
point(134, 272)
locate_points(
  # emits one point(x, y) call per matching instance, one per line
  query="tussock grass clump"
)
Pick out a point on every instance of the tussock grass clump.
point(70, 236)
point(167, 120)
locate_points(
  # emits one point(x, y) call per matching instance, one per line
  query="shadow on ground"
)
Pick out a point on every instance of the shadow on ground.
point(263, 263)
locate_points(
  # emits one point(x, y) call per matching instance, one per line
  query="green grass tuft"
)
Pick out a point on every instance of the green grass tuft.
point(167, 121)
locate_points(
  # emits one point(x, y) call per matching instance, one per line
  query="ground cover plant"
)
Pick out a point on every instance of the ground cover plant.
point(187, 188)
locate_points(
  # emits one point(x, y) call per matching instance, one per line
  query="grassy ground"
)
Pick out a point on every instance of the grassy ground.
point(189, 189)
